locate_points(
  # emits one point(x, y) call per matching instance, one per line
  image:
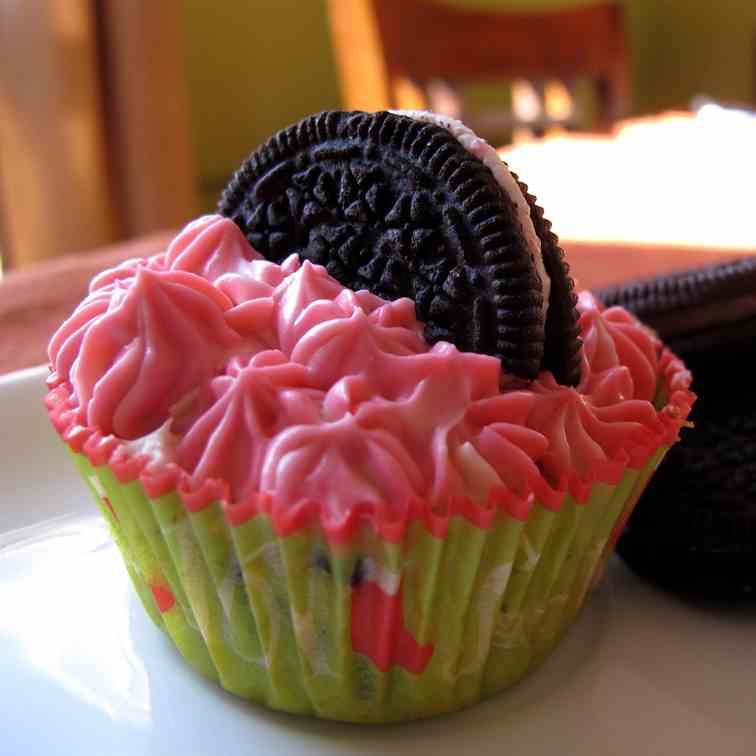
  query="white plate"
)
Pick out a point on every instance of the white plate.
point(84, 672)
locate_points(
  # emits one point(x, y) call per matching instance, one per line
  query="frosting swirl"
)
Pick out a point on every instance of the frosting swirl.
point(621, 355)
point(211, 247)
point(132, 351)
point(250, 406)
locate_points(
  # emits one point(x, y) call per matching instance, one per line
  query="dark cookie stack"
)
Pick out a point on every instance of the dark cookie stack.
point(399, 207)
point(694, 529)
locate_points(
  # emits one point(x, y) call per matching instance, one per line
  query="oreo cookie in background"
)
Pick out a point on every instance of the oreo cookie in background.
point(400, 206)
point(694, 529)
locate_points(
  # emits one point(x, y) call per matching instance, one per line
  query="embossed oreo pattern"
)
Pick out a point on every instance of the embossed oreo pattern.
point(400, 208)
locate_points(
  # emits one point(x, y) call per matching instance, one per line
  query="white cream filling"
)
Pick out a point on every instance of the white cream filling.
point(159, 446)
point(488, 155)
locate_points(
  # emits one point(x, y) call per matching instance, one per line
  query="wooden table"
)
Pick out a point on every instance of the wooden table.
point(34, 302)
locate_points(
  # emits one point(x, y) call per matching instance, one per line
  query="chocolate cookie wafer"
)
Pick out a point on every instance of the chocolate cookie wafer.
point(694, 529)
point(696, 311)
point(400, 206)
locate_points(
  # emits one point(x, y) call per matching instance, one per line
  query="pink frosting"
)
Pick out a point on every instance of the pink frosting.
point(248, 408)
point(211, 247)
point(132, 352)
point(620, 355)
point(276, 381)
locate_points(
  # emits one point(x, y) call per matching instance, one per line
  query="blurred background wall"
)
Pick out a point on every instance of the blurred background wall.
point(253, 67)
point(122, 117)
point(256, 66)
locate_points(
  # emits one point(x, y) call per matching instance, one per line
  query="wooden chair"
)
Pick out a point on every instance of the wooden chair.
point(392, 53)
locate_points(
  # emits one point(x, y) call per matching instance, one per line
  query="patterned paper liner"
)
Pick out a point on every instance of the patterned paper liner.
point(383, 616)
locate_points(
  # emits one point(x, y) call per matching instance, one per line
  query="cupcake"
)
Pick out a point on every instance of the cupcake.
point(362, 449)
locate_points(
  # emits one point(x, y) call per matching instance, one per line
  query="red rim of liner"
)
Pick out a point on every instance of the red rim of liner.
point(387, 520)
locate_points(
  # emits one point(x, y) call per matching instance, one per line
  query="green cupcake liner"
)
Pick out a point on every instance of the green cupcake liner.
point(441, 622)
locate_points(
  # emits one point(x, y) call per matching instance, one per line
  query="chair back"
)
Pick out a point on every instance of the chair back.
point(390, 51)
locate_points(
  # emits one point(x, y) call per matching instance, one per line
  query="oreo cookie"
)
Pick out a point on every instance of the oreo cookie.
point(703, 311)
point(562, 344)
point(399, 207)
point(694, 529)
